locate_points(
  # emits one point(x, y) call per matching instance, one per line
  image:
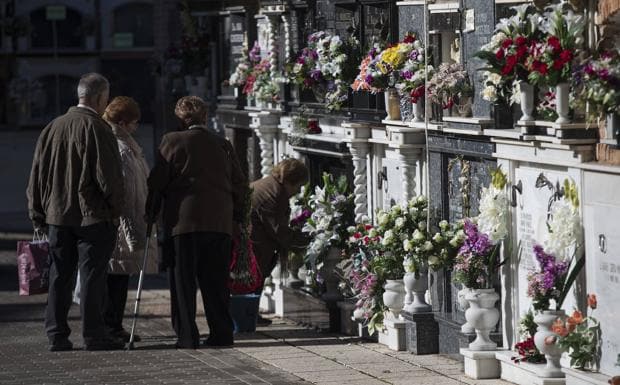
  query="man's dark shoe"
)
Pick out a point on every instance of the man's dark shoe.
point(125, 335)
point(60, 345)
point(261, 321)
point(108, 343)
point(213, 343)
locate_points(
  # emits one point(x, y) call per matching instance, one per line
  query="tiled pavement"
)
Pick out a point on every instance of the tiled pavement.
point(283, 353)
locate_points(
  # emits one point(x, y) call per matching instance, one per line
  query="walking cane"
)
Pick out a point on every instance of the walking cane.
point(149, 228)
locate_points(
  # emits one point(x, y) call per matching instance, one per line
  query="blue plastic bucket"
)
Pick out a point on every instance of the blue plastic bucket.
point(244, 310)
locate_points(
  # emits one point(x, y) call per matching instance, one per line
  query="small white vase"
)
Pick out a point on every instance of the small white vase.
point(527, 101)
point(416, 285)
point(418, 111)
point(482, 316)
point(464, 305)
point(392, 104)
point(552, 351)
point(394, 297)
point(562, 91)
point(329, 276)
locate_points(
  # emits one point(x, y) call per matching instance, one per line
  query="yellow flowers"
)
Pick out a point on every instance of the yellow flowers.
point(498, 178)
point(570, 191)
point(393, 58)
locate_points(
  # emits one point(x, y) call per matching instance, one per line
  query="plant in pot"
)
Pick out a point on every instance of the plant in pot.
point(557, 265)
point(550, 59)
point(327, 66)
point(478, 260)
point(506, 76)
point(597, 80)
point(450, 86)
point(332, 213)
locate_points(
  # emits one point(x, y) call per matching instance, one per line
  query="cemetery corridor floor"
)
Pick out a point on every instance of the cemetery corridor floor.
point(283, 353)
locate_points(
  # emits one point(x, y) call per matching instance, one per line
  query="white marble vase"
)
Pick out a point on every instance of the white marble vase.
point(562, 92)
point(552, 351)
point(527, 101)
point(464, 305)
point(394, 297)
point(416, 285)
point(482, 316)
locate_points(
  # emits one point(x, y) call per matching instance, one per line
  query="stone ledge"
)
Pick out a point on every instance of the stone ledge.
point(581, 377)
point(480, 365)
point(523, 373)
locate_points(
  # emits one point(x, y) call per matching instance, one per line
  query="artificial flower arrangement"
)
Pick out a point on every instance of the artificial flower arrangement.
point(550, 59)
point(414, 72)
point(263, 82)
point(477, 259)
point(527, 350)
point(550, 281)
point(598, 81)
point(368, 79)
point(332, 212)
point(506, 54)
point(244, 67)
point(580, 336)
point(327, 66)
point(449, 85)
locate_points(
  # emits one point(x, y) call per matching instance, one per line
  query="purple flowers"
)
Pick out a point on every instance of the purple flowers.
point(301, 218)
point(254, 53)
point(475, 261)
point(547, 281)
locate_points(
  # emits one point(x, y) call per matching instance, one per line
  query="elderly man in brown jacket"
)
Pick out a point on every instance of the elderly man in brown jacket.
point(202, 186)
point(76, 191)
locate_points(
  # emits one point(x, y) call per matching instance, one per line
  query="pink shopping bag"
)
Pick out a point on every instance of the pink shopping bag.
point(33, 266)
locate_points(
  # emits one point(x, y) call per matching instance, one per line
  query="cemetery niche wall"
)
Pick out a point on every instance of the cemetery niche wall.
point(402, 138)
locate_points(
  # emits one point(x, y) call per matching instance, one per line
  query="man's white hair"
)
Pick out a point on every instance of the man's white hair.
point(92, 85)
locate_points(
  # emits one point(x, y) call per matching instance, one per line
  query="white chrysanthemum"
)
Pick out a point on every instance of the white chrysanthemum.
point(399, 223)
point(407, 245)
point(418, 235)
point(493, 216)
point(372, 233)
point(428, 246)
point(383, 219)
point(388, 237)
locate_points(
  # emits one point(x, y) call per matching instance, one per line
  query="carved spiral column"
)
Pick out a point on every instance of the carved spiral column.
point(273, 46)
point(266, 136)
point(359, 151)
point(408, 166)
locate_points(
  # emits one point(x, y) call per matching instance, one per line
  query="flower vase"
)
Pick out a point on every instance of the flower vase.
point(552, 351)
point(416, 285)
point(394, 297)
point(502, 116)
point(464, 305)
point(418, 111)
point(392, 104)
point(562, 91)
point(612, 129)
point(527, 101)
point(482, 316)
point(329, 276)
point(464, 107)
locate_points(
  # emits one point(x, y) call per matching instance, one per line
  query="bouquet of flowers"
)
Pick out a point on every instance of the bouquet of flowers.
point(405, 243)
point(446, 242)
point(507, 52)
point(245, 276)
point(263, 83)
point(527, 349)
point(300, 208)
point(580, 336)
point(549, 60)
point(369, 78)
point(477, 259)
point(449, 84)
point(413, 73)
point(244, 67)
point(327, 66)
point(599, 83)
point(332, 213)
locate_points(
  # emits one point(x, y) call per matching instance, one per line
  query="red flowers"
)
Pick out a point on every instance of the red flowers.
point(511, 62)
point(499, 55)
point(592, 301)
point(506, 43)
point(409, 39)
point(540, 67)
point(521, 41)
point(554, 43)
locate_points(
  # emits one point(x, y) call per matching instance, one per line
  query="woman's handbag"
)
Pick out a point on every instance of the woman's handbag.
point(33, 263)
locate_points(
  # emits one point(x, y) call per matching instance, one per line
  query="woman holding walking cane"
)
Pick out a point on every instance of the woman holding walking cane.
point(123, 115)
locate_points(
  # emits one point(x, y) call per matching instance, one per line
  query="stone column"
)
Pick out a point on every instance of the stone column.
point(265, 124)
point(359, 151)
point(408, 163)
